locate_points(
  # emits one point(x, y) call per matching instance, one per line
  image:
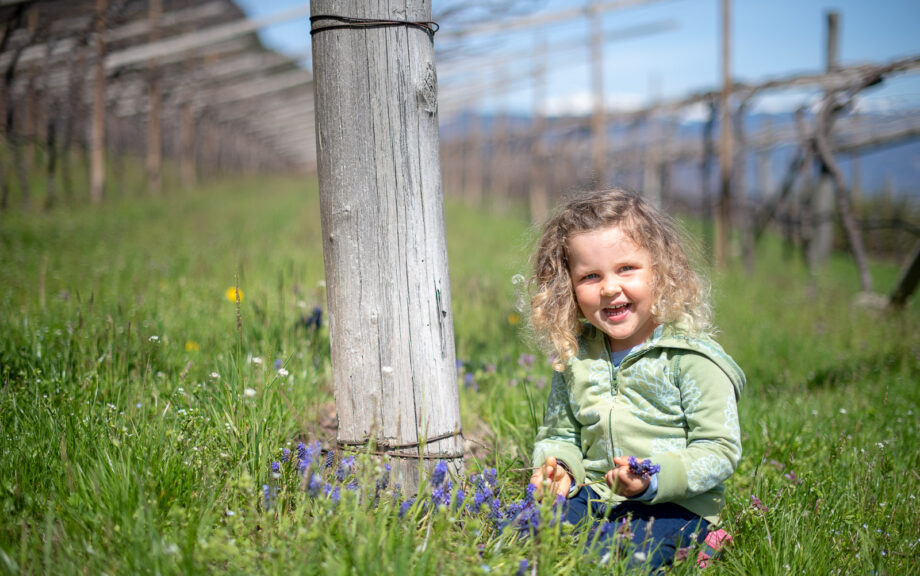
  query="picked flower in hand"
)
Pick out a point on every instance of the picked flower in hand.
point(644, 469)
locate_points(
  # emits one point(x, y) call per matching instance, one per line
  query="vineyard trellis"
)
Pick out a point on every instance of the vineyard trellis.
point(189, 81)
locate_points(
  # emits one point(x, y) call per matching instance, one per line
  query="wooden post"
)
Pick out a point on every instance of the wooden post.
point(706, 180)
point(539, 191)
point(651, 185)
point(907, 283)
point(855, 160)
point(598, 118)
point(474, 165)
point(187, 154)
point(499, 162)
point(723, 221)
point(822, 236)
point(97, 170)
point(154, 128)
point(385, 254)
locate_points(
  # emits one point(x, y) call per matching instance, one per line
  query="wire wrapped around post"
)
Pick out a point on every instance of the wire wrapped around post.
point(350, 23)
point(383, 449)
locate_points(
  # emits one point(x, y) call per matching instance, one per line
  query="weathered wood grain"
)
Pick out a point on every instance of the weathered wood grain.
point(388, 290)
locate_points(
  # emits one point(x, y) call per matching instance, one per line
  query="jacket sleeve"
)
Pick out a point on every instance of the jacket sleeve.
point(709, 404)
point(560, 434)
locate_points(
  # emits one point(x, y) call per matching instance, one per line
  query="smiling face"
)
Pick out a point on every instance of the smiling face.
point(612, 277)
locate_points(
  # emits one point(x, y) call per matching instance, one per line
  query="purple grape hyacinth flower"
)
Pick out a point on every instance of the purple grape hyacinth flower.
point(344, 468)
point(315, 484)
point(459, 497)
point(440, 472)
point(405, 506)
point(644, 469)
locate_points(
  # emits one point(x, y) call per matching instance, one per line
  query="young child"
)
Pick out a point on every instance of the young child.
point(614, 297)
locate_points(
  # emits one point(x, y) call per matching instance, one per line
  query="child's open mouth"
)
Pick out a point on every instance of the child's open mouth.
point(617, 312)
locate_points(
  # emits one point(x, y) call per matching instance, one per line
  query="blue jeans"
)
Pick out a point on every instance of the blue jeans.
point(649, 534)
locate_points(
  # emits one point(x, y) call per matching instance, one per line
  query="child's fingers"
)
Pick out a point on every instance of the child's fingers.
point(563, 486)
point(612, 477)
point(621, 461)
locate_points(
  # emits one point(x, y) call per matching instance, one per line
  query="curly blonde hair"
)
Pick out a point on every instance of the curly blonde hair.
point(681, 294)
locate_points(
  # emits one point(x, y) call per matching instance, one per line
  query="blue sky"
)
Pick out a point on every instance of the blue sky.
point(771, 38)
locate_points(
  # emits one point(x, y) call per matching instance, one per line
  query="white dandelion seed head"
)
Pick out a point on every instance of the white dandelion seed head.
point(249, 392)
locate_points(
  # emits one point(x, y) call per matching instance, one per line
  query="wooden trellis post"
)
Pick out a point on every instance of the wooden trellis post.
point(154, 128)
point(97, 173)
point(384, 247)
point(599, 115)
point(723, 222)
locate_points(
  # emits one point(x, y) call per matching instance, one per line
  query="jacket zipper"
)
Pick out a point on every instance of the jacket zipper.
point(614, 390)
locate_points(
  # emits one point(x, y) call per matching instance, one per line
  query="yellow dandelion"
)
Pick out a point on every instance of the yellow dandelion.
point(232, 293)
point(192, 346)
point(514, 318)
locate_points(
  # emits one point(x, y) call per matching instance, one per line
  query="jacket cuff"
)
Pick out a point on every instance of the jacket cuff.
point(672, 479)
point(562, 451)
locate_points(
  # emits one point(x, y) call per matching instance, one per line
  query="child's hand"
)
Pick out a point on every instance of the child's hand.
point(559, 480)
point(624, 482)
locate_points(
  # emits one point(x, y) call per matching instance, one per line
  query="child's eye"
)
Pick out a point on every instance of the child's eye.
point(627, 268)
point(590, 276)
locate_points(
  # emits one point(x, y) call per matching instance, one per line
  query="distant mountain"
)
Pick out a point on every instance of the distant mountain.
point(893, 169)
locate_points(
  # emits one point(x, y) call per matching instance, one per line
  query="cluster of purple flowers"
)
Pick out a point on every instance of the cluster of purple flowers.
point(314, 321)
point(311, 470)
point(757, 504)
point(477, 495)
point(644, 469)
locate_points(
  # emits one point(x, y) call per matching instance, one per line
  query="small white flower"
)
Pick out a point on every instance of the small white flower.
point(154, 338)
point(814, 412)
point(843, 410)
point(257, 360)
point(249, 392)
point(640, 556)
point(282, 372)
point(231, 513)
point(215, 375)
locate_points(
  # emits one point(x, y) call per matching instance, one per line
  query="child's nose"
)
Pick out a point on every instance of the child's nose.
point(610, 288)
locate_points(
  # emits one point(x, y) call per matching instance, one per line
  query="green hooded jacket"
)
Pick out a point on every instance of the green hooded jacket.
point(674, 400)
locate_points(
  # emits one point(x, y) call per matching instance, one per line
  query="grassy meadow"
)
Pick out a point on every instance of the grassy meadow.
point(152, 424)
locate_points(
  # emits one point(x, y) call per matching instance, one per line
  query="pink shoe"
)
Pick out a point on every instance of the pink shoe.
point(712, 546)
